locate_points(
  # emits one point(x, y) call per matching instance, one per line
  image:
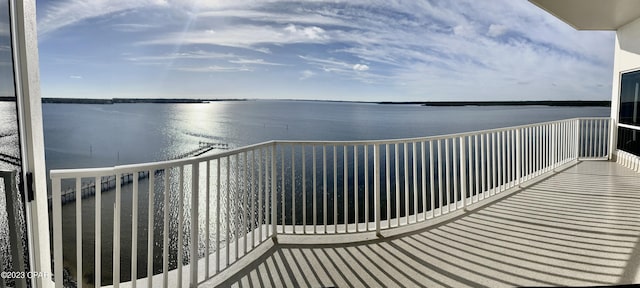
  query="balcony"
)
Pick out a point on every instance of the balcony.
point(516, 206)
point(575, 228)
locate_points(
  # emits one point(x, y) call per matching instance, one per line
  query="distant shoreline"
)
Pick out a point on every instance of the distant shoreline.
point(130, 100)
point(560, 103)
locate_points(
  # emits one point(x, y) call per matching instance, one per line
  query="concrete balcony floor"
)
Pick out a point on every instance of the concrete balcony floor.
point(578, 227)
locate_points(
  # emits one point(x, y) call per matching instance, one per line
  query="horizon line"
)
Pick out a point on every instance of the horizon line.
point(56, 100)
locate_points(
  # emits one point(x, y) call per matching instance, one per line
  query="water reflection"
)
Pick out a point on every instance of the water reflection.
point(191, 123)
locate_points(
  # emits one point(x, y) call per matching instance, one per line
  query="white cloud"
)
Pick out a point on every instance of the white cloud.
point(132, 27)
point(306, 74)
point(312, 33)
point(245, 36)
point(65, 13)
point(198, 55)
point(262, 50)
point(281, 17)
point(254, 62)
point(360, 67)
point(496, 30)
point(429, 48)
point(75, 76)
point(464, 30)
point(358, 72)
point(209, 69)
point(328, 65)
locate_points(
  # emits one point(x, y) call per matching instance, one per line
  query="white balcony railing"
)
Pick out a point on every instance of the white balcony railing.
point(234, 201)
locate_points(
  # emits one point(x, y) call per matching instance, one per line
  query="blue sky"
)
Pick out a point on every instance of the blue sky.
point(332, 50)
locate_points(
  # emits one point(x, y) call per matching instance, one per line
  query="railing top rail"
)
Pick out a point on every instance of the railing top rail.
point(82, 172)
point(131, 168)
point(432, 138)
point(188, 161)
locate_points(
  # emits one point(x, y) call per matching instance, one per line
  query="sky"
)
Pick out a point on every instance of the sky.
point(356, 50)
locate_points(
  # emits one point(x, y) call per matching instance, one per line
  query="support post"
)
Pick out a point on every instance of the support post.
point(195, 183)
point(577, 143)
point(57, 231)
point(376, 187)
point(274, 206)
point(613, 132)
point(554, 146)
point(463, 171)
point(116, 231)
point(518, 157)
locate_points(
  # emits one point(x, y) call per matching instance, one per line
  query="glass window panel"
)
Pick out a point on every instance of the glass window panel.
point(9, 149)
point(630, 99)
point(9, 140)
point(7, 88)
point(629, 140)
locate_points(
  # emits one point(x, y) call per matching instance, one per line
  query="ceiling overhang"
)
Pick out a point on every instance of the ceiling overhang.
point(592, 14)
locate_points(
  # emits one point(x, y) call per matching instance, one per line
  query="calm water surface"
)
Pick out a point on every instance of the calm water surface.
point(9, 143)
point(82, 135)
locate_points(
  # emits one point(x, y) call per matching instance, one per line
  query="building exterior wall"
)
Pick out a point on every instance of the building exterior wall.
point(626, 59)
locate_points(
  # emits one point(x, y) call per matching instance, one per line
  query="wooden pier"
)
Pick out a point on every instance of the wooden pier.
point(107, 183)
point(89, 189)
point(203, 147)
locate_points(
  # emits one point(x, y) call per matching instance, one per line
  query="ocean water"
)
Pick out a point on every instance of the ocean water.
point(83, 135)
point(9, 142)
